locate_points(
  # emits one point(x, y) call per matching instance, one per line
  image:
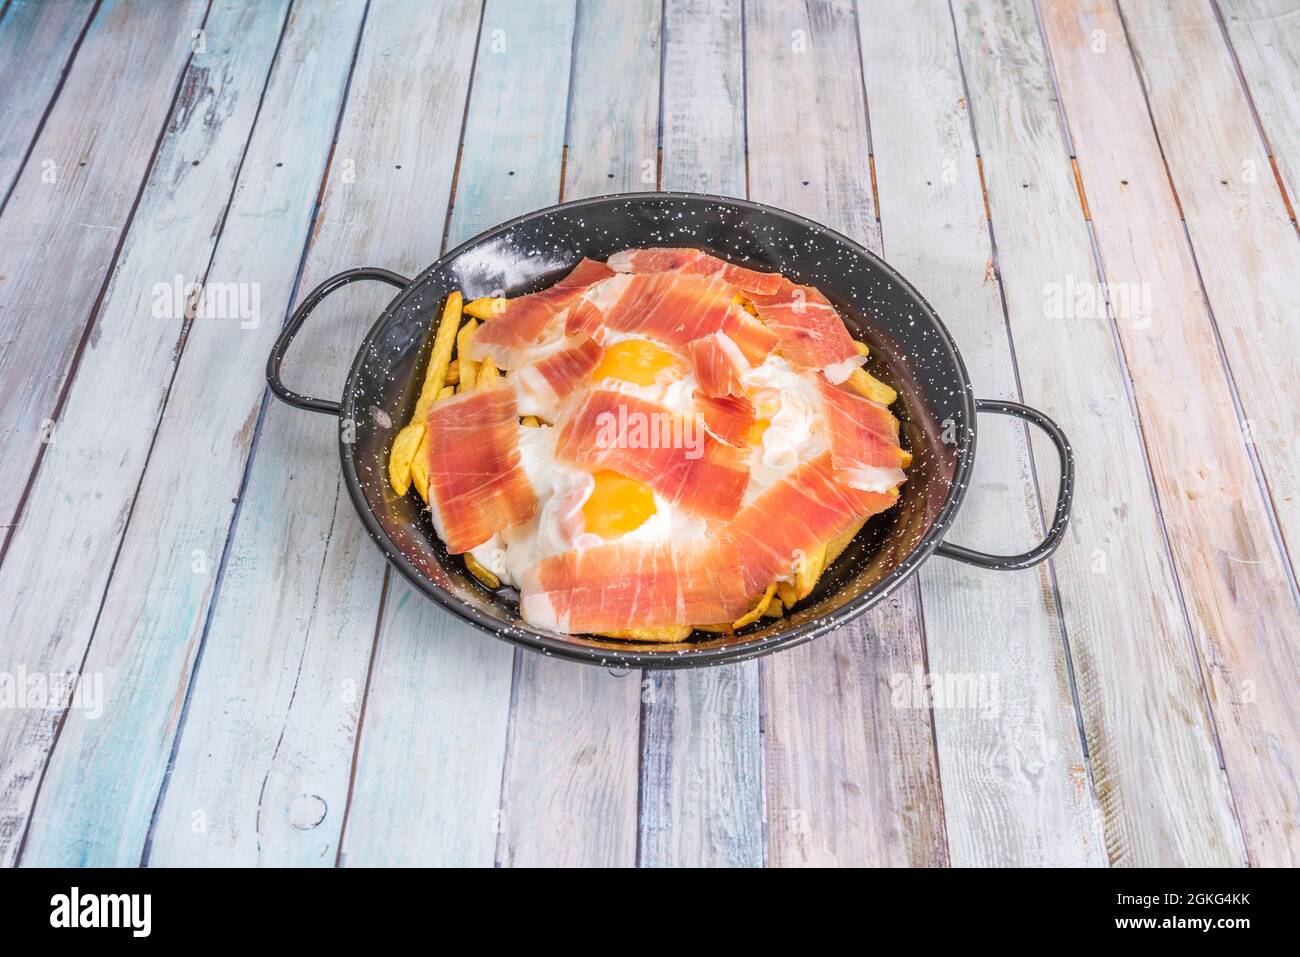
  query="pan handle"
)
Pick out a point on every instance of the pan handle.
point(274, 360)
point(1064, 495)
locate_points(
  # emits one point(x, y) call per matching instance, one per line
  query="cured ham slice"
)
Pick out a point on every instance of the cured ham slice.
point(729, 418)
point(810, 333)
point(560, 373)
point(670, 307)
point(718, 364)
point(671, 453)
point(863, 437)
point(695, 262)
point(797, 514)
point(755, 340)
point(634, 585)
point(584, 319)
point(509, 337)
point(477, 486)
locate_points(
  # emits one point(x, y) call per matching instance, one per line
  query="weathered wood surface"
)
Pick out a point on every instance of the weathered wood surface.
point(850, 779)
point(1265, 38)
point(1248, 259)
point(273, 695)
point(64, 219)
point(292, 631)
point(1119, 596)
point(1015, 792)
point(1226, 553)
point(105, 775)
point(37, 40)
point(701, 760)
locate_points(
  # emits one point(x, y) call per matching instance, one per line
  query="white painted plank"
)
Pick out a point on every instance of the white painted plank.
point(269, 738)
point(58, 238)
point(1265, 36)
point(87, 479)
point(103, 780)
point(570, 794)
point(1124, 619)
point(440, 690)
point(702, 800)
point(1249, 260)
point(850, 780)
point(1224, 549)
point(1010, 756)
point(37, 40)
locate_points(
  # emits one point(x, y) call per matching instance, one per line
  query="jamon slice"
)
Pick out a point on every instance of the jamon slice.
point(810, 333)
point(560, 373)
point(695, 262)
point(718, 364)
point(477, 486)
point(797, 514)
point(584, 319)
point(670, 307)
point(637, 585)
point(509, 337)
point(673, 454)
point(729, 417)
point(863, 437)
point(755, 340)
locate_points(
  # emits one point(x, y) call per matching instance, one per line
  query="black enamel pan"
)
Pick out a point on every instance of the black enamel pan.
point(910, 349)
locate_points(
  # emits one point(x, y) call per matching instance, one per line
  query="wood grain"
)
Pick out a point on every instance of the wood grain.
point(37, 40)
point(1249, 262)
point(701, 777)
point(96, 146)
point(570, 794)
point(850, 780)
point(1152, 763)
point(1238, 600)
point(284, 671)
point(103, 780)
point(1266, 40)
point(1010, 755)
point(82, 495)
point(441, 690)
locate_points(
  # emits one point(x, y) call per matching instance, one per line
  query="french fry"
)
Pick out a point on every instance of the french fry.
point(531, 421)
point(440, 359)
point(484, 575)
point(453, 373)
point(420, 477)
point(787, 593)
point(468, 367)
point(837, 545)
point(862, 348)
point(745, 304)
point(662, 633)
point(488, 373)
point(405, 446)
point(724, 628)
point(807, 570)
point(447, 392)
point(869, 387)
point(775, 609)
point(485, 308)
point(757, 611)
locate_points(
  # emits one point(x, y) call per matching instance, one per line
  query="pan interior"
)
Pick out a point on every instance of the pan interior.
point(910, 350)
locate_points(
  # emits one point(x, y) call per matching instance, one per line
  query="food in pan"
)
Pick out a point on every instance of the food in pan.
point(656, 444)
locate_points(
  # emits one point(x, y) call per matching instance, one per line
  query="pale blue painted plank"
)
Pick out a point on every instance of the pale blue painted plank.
point(267, 749)
point(102, 782)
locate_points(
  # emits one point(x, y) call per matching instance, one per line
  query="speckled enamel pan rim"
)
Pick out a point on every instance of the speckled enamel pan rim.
point(550, 643)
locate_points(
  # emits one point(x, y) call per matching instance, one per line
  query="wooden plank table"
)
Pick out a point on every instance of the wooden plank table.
point(1096, 195)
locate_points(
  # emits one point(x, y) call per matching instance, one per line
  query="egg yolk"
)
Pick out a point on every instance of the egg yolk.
point(636, 361)
point(756, 430)
point(617, 505)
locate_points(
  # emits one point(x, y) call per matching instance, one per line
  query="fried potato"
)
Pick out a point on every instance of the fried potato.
point(484, 575)
point(407, 442)
point(807, 570)
point(787, 593)
point(467, 366)
point(863, 349)
point(405, 446)
point(869, 387)
point(775, 609)
point(485, 308)
point(757, 611)
point(531, 421)
point(837, 545)
point(420, 477)
point(487, 374)
point(453, 373)
point(663, 633)
point(745, 304)
point(447, 392)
